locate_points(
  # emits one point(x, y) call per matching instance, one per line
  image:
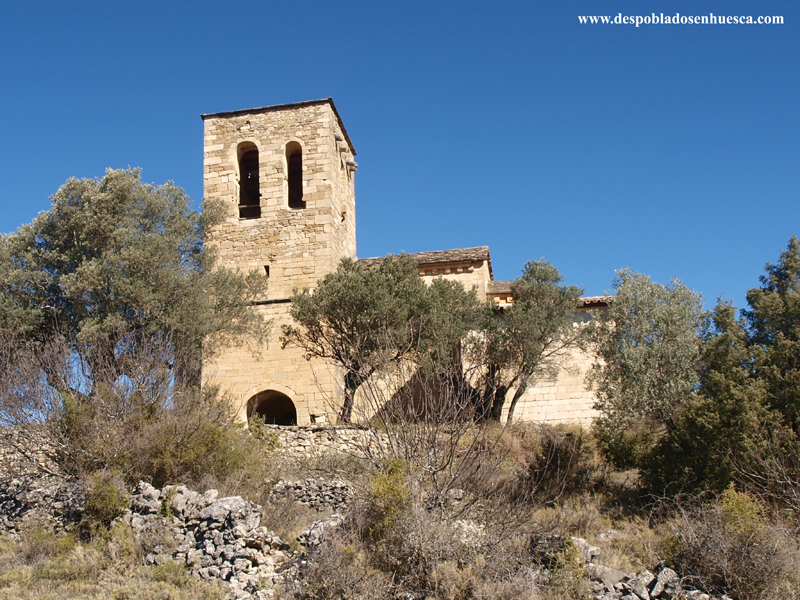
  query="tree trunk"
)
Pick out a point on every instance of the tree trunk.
point(517, 395)
point(351, 383)
point(498, 402)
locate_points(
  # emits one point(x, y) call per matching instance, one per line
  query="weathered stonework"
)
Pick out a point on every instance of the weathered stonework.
point(298, 246)
point(297, 243)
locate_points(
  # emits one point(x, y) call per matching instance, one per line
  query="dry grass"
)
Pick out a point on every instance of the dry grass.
point(396, 543)
point(44, 564)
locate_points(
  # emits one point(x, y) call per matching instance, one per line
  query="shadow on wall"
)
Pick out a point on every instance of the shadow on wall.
point(442, 398)
point(274, 408)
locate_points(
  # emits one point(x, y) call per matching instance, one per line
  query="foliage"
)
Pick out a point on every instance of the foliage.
point(116, 265)
point(45, 564)
point(388, 498)
point(192, 436)
point(143, 426)
point(718, 423)
point(738, 422)
point(424, 417)
point(728, 546)
point(559, 460)
point(647, 350)
point(527, 340)
point(105, 501)
point(771, 469)
point(773, 322)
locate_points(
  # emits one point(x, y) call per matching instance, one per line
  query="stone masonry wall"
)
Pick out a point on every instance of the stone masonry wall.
point(299, 245)
point(565, 400)
point(469, 274)
point(302, 245)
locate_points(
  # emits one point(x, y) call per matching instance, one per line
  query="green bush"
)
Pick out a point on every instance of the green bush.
point(728, 545)
point(38, 543)
point(105, 501)
point(388, 498)
point(174, 436)
point(564, 460)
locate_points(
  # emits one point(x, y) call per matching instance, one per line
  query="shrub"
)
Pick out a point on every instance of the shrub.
point(729, 546)
point(175, 436)
point(341, 570)
point(40, 543)
point(106, 499)
point(564, 460)
point(388, 498)
point(544, 462)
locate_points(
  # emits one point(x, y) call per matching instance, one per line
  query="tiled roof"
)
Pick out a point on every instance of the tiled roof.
point(499, 287)
point(438, 256)
point(503, 288)
point(595, 301)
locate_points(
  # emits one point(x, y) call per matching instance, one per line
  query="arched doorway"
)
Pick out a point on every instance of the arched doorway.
point(273, 407)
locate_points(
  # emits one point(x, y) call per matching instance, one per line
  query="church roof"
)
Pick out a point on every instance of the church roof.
point(595, 301)
point(439, 256)
point(493, 288)
point(253, 111)
point(499, 287)
point(503, 288)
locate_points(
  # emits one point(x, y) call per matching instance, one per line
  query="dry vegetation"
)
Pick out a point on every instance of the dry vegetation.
point(402, 538)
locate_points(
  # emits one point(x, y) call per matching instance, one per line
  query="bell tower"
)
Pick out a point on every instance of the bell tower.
point(285, 175)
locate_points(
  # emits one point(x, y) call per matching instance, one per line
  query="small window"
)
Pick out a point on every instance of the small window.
point(294, 175)
point(249, 195)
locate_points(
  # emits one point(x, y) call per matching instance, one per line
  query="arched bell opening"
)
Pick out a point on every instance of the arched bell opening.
point(249, 191)
point(274, 408)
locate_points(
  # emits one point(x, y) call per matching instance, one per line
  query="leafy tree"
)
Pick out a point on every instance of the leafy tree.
point(773, 322)
point(450, 313)
point(119, 266)
point(718, 423)
point(526, 341)
point(647, 352)
point(360, 319)
point(648, 348)
point(365, 320)
point(743, 422)
point(701, 411)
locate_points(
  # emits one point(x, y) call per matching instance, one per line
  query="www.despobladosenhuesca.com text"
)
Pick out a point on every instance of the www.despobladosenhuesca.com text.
point(679, 19)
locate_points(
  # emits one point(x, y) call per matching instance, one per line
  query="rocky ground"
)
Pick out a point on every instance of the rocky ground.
point(221, 538)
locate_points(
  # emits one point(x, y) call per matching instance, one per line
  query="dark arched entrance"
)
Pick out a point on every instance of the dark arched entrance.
point(273, 407)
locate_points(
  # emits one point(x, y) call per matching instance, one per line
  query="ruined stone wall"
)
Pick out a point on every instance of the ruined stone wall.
point(310, 440)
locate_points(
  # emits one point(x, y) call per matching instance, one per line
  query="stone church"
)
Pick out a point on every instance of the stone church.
point(286, 175)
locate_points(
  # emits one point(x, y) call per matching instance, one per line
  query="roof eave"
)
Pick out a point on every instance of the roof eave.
point(275, 107)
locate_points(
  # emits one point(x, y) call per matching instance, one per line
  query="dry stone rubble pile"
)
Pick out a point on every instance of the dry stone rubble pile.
point(319, 494)
point(50, 499)
point(611, 584)
point(217, 538)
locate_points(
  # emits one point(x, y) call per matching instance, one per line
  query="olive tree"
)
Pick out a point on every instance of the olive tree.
point(647, 359)
point(115, 264)
point(647, 348)
point(109, 301)
point(360, 319)
point(529, 340)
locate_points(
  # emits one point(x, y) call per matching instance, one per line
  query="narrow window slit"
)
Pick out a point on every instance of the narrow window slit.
point(249, 195)
point(294, 165)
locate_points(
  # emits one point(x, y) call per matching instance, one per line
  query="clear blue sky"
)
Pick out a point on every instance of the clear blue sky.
point(673, 150)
